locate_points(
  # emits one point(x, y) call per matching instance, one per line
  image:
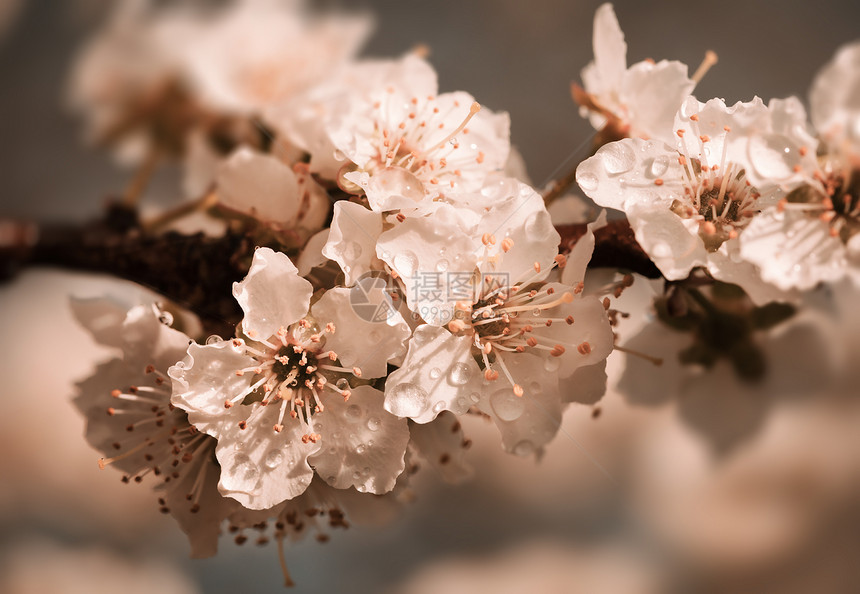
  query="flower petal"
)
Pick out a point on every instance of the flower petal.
point(437, 374)
point(529, 421)
point(260, 185)
point(362, 445)
point(441, 444)
point(369, 331)
point(272, 295)
point(434, 259)
point(352, 239)
point(261, 468)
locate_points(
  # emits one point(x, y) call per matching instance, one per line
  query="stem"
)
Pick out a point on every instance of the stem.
point(141, 178)
point(615, 246)
point(201, 204)
point(197, 272)
point(560, 186)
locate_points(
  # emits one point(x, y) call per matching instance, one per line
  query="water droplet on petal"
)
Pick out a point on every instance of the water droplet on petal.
point(243, 474)
point(398, 181)
point(213, 338)
point(342, 384)
point(551, 364)
point(442, 265)
point(771, 158)
point(408, 400)
point(662, 250)
point(617, 157)
point(474, 397)
point(405, 263)
point(353, 412)
point(460, 374)
point(586, 180)
point(507, 405)
point(360, 449)
point(524, 448)
point(273, 459)
point(659, 165)
point(351, 250)
point(373, 423)
point(435, 373)
point(689, 107)
point(538, 225)
point(438, 407)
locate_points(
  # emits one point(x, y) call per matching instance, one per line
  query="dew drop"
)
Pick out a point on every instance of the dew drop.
point(524, 448)
point(662, 250)
point(405, 263)
point(435, 373)
point(659, 165)
point(438, 407)
point(442, 265)
point(535, 388)
point(474, 397)
point(403, 183)
point(351, 250)
point(273, 459)
point(689, 107)
point(244, 474)
point(586, 180)
point(213, 338)
point(771, 157)
point(353, 412)
point(461, 403)
point(360, 449)
point(538, 225)
point(551, 364)
point(342, 384)
point(408, 400)
point(617, 157)
point(460, 374)
point(506, 405)
point(361, 488)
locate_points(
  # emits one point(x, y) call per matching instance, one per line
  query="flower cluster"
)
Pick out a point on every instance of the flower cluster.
point(402, 279)
point(399, 277)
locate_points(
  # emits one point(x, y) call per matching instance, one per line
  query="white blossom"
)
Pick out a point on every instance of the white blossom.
point(512, 339)
point(689, 202)
point(131, 421)
point(811, 236)
point(641, 100)
point(279, 401)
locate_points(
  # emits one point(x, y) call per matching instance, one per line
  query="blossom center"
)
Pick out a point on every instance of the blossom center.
point(413, 142)
point(291, 368)
point(719, 197)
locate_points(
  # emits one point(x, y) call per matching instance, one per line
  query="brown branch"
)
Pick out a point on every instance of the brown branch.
point(615, 246)
point(195, 271)
point(198, 272)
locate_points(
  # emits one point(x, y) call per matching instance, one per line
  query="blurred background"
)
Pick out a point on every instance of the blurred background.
point(635, 500)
